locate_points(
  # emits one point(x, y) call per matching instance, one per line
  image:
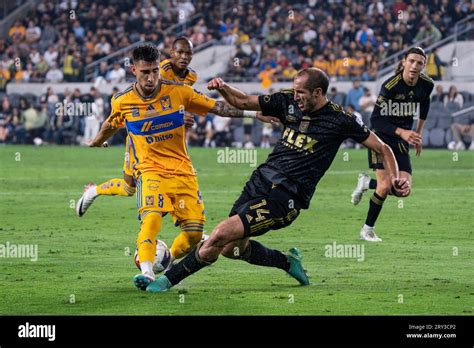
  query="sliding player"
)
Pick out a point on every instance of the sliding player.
point(175, 69)
point(152, 110)
point(400, 98)
point(283, 185)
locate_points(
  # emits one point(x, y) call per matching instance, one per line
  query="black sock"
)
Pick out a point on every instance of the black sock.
point(263, 256)
point(189, 265)
point(373, 184)
point(375, 206)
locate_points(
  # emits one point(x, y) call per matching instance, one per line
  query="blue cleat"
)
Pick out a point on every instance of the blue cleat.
point(296, 267)
point(141, 281)
point(162, 284)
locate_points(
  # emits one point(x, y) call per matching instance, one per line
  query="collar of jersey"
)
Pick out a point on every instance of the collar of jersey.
point(135, 89)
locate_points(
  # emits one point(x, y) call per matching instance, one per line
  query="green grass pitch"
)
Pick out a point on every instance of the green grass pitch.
point(423, 266)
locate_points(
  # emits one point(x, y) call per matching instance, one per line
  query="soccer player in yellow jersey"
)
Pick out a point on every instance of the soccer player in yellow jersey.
point(152, 110)
point(174, 69)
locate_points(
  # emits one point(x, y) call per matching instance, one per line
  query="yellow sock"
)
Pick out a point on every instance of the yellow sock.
point(146, 241)
point(191, 234)
point(115, 187)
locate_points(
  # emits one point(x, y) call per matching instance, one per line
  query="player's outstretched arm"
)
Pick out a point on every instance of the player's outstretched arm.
point(233, 96)
point(224, 109)
point(106, 131)
point(373, 142)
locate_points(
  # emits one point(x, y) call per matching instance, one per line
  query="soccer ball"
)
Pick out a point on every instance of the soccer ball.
point(162, 257)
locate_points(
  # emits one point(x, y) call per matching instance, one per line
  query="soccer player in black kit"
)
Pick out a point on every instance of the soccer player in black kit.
point(400, 97)
point(279, 188)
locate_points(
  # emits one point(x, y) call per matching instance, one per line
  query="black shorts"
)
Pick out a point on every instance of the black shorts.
point(263, 206)
point(400, 149)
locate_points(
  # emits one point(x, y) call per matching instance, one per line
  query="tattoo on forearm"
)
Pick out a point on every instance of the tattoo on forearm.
point(223, 109)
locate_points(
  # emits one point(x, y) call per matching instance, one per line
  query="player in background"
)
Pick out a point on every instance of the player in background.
point(152, 110)
point(174, 69)
point(279, 188)
point(401, 98)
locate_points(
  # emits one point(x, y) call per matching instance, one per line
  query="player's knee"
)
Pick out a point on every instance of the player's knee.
point(384, 188)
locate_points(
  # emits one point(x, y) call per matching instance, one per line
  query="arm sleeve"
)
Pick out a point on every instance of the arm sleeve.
point(116, 117)
point(274, 105)
point(198, 103)
point(353, 129)
point(425, 105)
point(379, 121)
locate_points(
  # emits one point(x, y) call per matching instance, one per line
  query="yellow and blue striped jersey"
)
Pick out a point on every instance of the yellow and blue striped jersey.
point(155, 125)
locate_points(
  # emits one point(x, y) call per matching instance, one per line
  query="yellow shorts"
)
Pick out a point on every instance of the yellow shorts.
point(129, 160)
point(178, 195)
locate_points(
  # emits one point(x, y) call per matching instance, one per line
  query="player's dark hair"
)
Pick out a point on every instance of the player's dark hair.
point(146, 52)
point(183, 39)
point(316, 79)
point(416, 50)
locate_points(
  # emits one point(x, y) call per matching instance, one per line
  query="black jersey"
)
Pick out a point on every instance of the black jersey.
point(308, 144)
point(398, 103)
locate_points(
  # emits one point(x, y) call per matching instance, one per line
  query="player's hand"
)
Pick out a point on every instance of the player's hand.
point(215, 84)
point(188, 121)
point(401, 186)
point(418, 149)
point(91, 143)
point(411, 137)
point(268, 119)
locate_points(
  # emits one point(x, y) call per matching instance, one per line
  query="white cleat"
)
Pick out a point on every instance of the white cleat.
point(90, 193)
point(367, 233)
point(362, 187)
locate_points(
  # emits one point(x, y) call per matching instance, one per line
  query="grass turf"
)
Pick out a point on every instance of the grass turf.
point(423, 266)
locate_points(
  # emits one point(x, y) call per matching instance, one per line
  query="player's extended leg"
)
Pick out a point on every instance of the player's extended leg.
point(146, 245)
point(203, 255)
point(384, 186)
point(256, 253)
point(121, 187)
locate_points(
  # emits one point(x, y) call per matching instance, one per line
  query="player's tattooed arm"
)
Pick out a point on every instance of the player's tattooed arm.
point(223, 109)
point(233, 96)
point(106, 131)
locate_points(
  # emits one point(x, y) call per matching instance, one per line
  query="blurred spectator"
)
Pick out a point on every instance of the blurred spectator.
point(439, 94)
point(248, 126)
point(335, 97)
point(117, 75)
point(51, 55)
point(34, 122)
point(4, 78)
point(5, 120)
point(460, 130)
point(454, 96)
point(222, 133)
point(93, 121)
point(54, 75)
point(434, 66)
point(428, 29)
point(354, 95)
point(367, 101)
point(267, 131)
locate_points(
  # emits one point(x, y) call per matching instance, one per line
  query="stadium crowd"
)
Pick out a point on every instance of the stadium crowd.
point(344, 38)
